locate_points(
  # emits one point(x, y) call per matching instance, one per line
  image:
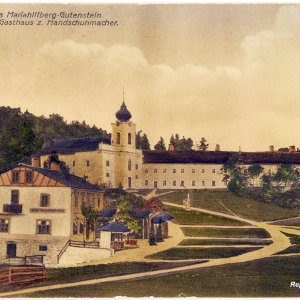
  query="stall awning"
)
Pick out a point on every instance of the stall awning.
point(140, 214)
point(115, 227)
point(107, 213)
point(161, 217)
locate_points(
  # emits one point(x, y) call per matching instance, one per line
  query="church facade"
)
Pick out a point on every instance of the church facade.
point(116, 162)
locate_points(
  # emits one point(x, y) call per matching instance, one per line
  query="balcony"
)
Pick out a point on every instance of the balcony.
point(12, 208)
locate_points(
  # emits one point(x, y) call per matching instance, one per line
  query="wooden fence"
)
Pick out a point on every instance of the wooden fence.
point(21, 274)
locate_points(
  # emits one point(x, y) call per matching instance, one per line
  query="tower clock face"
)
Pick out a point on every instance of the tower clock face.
point(129, 124)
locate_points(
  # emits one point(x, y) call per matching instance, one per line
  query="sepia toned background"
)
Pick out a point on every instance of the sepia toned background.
point(229, 73)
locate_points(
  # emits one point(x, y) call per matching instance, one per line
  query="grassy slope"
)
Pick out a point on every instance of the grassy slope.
point(189, 217)
point(200, 253)
point(191, 242)
point(210, 199)
point(266, 277)
point(292, 249)
point(226, 232)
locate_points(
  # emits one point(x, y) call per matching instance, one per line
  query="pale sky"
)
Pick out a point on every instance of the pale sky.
point(230, 73)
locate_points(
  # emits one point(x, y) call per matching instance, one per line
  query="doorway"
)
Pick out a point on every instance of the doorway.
point(11, 249)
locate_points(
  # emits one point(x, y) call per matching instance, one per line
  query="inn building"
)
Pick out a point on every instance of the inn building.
point(116, 162)
point(40, 210)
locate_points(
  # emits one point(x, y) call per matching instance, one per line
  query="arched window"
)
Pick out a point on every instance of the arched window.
point(129, 164)
point(129, 138)
point(118, 138)
point(81, 227)
point(75, 228)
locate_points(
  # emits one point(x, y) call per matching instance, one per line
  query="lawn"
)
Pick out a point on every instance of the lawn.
point(195, 242)
point(295, 239)
point(269, 277)
point(225, 232)
point(190, 217)
point(61, 275)
point(291, 249)
point(251, 209)
point(200, 253)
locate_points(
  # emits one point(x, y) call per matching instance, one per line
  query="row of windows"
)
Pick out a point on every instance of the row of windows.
point(88, 164)
point(181, 171)
point(119, 138)
point(15, 198)
point(42, 226)
point(181, 183)
point(16, 176)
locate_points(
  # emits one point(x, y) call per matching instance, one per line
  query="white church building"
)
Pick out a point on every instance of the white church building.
point(117, 162)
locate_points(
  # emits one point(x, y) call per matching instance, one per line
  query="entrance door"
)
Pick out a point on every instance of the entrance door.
point(11, 249)
point(129, 182)
point(155, 184)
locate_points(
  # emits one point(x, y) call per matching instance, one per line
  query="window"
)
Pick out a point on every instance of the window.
point(155, 184)
point(182, 170)
point(87, 163)
point(181, 183)
point(73, 163)
point(203, 183)
point(174, 182)
point(15, 176)
point(4, 225)
point(28, 176)
point(136, 166)
point(118, 138)
point(98, 202)
point(107, 163)
point(107, 174)
point(214, 170)
point(193, 171)
point(43, 247)
point(213, 183)
point(164, 170)
point(129, 138)
point(202, 170)
point(155, 170)
point(146, 182)
point(43, 227)
point(129, 164)
point(164, 183)
point(14, 198)
point(193, 183)
point(146, 170)
point(45, 200)
point(174, 170)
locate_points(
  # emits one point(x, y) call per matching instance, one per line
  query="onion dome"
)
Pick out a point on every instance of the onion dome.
point(123, 114)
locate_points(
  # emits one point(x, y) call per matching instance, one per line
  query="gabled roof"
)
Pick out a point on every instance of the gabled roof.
point(68, 180)
point(218, 157)
point(115, 227)
point(69, 146)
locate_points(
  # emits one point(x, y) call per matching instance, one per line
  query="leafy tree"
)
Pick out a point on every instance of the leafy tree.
point(286, 174)
point(181, 143)
point(160, 145)
point(142, 141)
point(17, 140)
point(254, 171)
point(203, 146)
point(90, 216)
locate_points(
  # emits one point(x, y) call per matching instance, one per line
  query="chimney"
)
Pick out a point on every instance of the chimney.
point(171, 147)
point(35, 161)
point(54, 166)
point(271, 148)
point(292, 149)
point(218, 147)
point(197, 147)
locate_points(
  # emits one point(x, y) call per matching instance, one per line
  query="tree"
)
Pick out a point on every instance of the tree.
point(142, 141)
point(181, 143)
point(160, 145)
point(254, 171)
point(124, 206)
point(90, 216)
point(17, 141)
point(286, 174)
point(203, 146)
